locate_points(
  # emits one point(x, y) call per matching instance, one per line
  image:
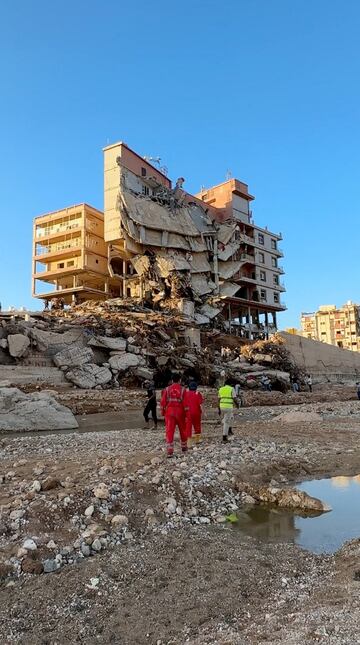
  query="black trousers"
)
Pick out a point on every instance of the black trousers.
point(150, 408)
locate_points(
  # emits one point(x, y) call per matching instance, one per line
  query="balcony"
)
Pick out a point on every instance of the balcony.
point(246, 257)
point(247, 239)
point(57, 231)
point(278, 251)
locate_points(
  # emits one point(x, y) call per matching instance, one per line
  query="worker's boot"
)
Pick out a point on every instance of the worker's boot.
point(190, 442)
point(197, 439)
point(225, 439)
point(230, 432)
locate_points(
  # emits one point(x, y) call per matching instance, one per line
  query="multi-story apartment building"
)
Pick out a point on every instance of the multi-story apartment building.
point(339, 327)
point(70, 257)
point(156, 241)
point(259, 276)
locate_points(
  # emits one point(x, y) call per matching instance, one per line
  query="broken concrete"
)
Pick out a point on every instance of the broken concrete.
point(122, 362)
point(89, 375)
point(36, 411)
point(18, 345)
point(73, 357)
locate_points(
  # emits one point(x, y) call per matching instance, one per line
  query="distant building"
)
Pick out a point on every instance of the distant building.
point(339, 327)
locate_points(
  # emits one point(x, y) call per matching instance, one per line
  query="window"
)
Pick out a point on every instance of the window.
point(276, 297)
point(261, 258)
point(273, 243)
point(261, 238)
point(273, 262)
point(97, 261)
point(276, 279)
point(263, 294)
point(143, 172)
point(145, 190)
point(60, 265)
point(262, 276)
point(70, 263)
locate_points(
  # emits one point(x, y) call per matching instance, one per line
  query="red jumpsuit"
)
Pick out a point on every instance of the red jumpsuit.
point(193, 401)
point(172, 406)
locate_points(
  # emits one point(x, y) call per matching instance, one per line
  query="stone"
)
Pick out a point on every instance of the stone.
point(102, 491)
point(51, 565)
point(89, 511)
point(50, 483)
point(85, 550)
point(31, 565)
point(34, 411)
point(17, 515)
point(96, 545)
point(3, 343)
point(51, 544)
point(114, 344)
point(144, 373)
point(35, 486)
point(30, 545)
point(119, 520)
point(89, 376)
point(52, 343)
point(122, 362)
point(18, 345)
point(74, 357)
point(21, 553)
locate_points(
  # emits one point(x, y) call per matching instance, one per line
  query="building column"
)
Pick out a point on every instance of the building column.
point(274, 319)
point(106, 286)
point(266, 325)
point(249, 319)
point(229, 313)
point(124, 279)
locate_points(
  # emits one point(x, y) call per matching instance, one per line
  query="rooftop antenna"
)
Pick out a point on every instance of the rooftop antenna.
point(155, 161)
point(228, 175)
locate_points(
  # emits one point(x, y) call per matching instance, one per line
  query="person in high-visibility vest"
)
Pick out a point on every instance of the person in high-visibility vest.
point(193, 405)
point(173, 409)
point(227, 404)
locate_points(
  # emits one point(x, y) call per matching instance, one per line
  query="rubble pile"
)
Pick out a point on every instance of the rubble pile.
point(101, 345)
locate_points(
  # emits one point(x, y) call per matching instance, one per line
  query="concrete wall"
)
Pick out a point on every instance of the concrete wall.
point(323, 361)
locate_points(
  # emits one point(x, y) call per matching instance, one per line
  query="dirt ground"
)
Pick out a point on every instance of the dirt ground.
point(175, 572)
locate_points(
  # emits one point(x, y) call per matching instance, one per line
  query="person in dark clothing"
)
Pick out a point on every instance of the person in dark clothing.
point(150, 407)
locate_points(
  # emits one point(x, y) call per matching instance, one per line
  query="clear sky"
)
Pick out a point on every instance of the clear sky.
point(268, 89)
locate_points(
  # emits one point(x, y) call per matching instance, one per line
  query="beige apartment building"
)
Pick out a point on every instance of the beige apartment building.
point(339, 327)
point(156, 241)
point(70, 257)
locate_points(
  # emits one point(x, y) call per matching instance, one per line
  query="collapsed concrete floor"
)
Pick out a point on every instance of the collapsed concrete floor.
point(137, 548)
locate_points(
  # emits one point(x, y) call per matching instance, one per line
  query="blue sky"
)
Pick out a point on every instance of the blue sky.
point(268, 89)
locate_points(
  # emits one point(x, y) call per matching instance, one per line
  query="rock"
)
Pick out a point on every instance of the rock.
point(30, 545)
point(16, 515)
point(18, 345)
point(85, 550)
point(52, 343)
point(113, 344)
point(102, 491)
point(293, 416)
point(144, 373)
point(35, 486)
point(89, 375)
point(3, 343)
point(35, 411)
point(51, 544)
point(162, 361)
point(96, 545)
point(31, 565)
point(49, 483)
point(21, 553)
point(286, 498)
point(51, 565)
point(122, 362)
point(73, 357)
point(89, 511)
point(120, 520)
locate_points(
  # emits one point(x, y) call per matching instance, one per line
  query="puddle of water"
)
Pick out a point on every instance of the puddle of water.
point(324, 533)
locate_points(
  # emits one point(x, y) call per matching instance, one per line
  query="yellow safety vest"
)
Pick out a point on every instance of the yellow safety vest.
point(225, 396)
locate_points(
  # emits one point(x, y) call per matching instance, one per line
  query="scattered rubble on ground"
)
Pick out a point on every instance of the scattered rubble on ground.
point(103, 345)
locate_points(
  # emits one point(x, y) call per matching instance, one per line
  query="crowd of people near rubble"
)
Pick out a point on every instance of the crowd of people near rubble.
point(181, 406)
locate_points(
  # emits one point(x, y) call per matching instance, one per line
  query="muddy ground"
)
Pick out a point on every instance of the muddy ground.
point(173, 571)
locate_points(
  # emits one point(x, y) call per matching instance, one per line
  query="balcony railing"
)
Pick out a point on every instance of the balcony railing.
point(46, 232)
point(246, 257)
point(55, 248)
point(247, 238)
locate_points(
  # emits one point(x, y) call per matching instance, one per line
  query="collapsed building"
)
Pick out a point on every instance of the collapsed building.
point(164, 247)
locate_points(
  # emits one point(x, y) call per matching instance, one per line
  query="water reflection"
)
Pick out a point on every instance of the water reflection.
point(320, 532)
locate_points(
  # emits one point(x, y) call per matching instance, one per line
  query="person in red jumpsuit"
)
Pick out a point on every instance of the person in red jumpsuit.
point(173, 409)
point(193, 402)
